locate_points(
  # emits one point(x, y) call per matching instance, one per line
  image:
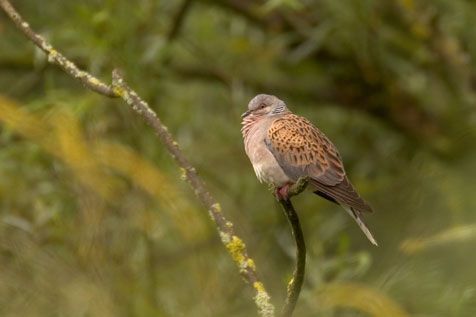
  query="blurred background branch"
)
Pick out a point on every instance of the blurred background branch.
point(178, 20)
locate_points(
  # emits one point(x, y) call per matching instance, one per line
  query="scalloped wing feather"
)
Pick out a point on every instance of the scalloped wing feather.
point(302, 150)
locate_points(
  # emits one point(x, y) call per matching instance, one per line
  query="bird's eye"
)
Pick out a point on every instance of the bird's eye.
point(261, 106)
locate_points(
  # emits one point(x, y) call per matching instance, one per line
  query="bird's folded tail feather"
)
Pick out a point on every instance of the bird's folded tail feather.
point(343, 194)
point(355, 214)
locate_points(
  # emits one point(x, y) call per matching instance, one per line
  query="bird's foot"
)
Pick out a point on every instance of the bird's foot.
point(282, 193)
point(288, 190)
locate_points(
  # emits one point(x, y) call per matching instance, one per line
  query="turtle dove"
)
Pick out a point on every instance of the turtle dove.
point(284, 147)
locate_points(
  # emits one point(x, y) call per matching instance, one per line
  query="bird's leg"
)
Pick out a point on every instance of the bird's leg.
point(291, 189)
point(282, 193)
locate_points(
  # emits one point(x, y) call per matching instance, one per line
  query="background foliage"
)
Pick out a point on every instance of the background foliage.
point(94, 219)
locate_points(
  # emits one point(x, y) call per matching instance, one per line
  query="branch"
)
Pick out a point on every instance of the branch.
point(295, 283)
point(54, 56)
point(119, 89)
point(178, 20)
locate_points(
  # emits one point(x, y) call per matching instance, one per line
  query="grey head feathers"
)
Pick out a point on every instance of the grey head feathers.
point(265, 105)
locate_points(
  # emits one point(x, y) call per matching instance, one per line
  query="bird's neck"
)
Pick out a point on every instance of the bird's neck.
point(247, 124)
point(251, 121)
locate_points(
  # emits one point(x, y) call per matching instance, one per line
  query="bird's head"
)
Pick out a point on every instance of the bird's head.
point(265, 105)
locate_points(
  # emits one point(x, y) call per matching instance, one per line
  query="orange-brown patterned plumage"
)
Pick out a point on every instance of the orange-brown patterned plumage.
point(301, 144)
point(302, 150)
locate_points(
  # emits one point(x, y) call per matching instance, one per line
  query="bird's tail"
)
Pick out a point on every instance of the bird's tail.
point(355, 214)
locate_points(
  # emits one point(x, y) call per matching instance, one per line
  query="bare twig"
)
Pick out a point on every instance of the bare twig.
point(119, 89)
point(295, 283)
point(54, 56)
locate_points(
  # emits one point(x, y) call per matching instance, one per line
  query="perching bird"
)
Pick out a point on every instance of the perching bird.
point(284, 147)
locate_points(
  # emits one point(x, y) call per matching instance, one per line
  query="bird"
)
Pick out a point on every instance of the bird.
point(284, 147)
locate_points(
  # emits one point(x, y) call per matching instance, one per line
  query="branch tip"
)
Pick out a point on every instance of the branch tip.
point(295, 283)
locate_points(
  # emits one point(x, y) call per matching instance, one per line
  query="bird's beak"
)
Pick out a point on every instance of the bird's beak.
point(246, 113)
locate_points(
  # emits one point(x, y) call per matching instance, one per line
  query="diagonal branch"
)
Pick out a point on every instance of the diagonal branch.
point(54, 56)
point(119, 89)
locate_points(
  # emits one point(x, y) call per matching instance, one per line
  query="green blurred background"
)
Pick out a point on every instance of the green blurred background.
point(96, 221)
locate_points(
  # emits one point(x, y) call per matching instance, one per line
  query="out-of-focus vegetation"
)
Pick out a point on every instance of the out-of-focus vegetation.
point(95, 220)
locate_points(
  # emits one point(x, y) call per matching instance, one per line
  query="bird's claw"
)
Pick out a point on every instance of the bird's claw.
point(289, 190)
point(282, 193)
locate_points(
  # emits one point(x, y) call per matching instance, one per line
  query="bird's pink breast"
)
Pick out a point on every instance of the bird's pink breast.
point(264, 163)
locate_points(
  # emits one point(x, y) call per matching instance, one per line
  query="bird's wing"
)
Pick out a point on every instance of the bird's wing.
point(302, 150)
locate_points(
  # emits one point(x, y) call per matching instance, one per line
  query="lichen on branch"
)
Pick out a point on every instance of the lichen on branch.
point(119, 89)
